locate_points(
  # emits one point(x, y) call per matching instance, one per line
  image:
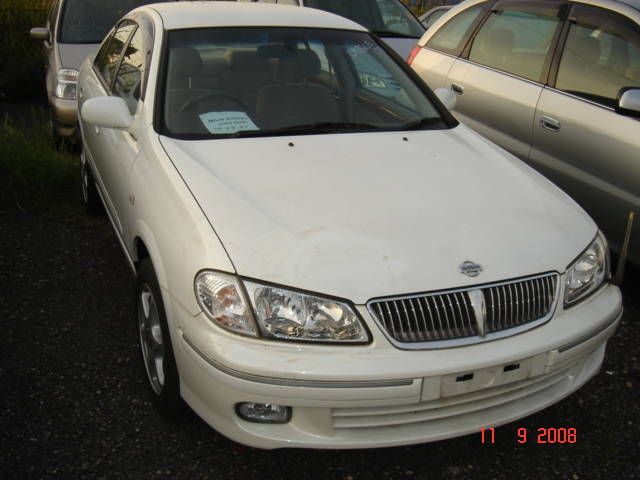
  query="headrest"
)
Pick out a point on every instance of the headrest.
point(296, 68)
point(587, 49)
point(239, 60)
point(184, 62)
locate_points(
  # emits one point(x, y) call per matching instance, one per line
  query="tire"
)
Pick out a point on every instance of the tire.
point(90, 197)
point(155, 342)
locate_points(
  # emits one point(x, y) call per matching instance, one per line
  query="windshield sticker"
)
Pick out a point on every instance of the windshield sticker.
point(227, 122)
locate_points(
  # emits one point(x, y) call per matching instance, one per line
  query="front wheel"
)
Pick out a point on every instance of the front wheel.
point(155, 342)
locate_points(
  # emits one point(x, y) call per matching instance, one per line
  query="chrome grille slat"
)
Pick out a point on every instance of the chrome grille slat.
point(432, 318)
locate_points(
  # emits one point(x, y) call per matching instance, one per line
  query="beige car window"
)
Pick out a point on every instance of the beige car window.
point(600, 57)
point(449, 37)
point(517, 40)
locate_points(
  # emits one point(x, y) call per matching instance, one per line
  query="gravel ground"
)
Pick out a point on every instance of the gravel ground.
point(74, 402)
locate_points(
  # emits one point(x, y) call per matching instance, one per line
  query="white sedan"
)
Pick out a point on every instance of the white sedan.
point(321, 260)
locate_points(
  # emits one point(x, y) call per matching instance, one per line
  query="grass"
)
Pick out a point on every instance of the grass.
point(21, 76)
point(34, 176)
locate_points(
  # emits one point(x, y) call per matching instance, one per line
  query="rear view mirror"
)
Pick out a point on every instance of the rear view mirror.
point(107, 112)
point(447, 97)
point(629, 102)
point(40, 33)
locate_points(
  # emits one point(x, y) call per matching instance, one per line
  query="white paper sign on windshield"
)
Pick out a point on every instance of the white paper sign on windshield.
point(227, 122)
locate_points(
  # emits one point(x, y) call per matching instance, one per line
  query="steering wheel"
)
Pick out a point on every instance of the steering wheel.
point(194, 101)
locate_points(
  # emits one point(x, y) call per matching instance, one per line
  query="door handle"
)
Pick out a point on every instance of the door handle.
point(457, 89)
point(550, 124)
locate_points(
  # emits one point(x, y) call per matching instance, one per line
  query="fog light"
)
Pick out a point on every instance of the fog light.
point(263, 412)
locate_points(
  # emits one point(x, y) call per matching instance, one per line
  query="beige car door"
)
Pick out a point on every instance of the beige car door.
point(580, 141)
point(500, 81)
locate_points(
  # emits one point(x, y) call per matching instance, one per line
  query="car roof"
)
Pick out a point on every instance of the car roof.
point(199, 14)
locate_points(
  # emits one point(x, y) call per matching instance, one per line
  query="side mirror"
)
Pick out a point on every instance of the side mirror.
point(40, 33)
point(447, 97)
point(629, 102)
point(107, 112)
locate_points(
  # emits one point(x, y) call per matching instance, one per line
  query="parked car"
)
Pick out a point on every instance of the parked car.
point(558, 85)
point(74, 29)
point(319, 265)
point(427, 19)
point(391, 20)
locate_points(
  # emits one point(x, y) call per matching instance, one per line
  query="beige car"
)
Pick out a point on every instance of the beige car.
point(74, 30)
point(557, 83)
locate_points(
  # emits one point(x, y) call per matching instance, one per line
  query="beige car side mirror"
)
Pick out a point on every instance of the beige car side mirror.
point(447, 97)
point(629, 102)
point(40, 33)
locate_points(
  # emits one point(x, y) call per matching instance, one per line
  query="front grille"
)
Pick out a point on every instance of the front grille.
point(513, 304)
point(469, 315)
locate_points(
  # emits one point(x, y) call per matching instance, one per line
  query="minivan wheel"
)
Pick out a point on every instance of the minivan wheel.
point(155, 342)
point(90, 196)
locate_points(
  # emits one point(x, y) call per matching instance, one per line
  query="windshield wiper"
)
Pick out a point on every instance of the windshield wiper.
point(320, 127)
point(391, 33)
point(421, 124)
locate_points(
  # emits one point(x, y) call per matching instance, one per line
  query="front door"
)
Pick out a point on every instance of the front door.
point(102, 145)
point(579, 140)
point(500, 82)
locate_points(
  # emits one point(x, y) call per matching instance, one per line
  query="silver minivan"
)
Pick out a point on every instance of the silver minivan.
point(74, 29)
point(557, 83)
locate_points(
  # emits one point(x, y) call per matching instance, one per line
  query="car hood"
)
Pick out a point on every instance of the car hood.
point(72, 55)
point(364, 215)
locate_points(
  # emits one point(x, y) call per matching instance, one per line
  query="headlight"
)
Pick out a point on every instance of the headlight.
point(588, 272)
point(221, 299)
point(67, 83)
point(289, 315)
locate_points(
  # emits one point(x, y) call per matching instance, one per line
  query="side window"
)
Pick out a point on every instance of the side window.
point(99, 60)
point(449, 38)
point(517, 39)
point(601, 56)
point(128, 83)
point(110, 54)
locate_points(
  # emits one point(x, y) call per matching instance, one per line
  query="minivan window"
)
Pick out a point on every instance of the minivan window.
point(517, 39)
point(88, 21)
point(450, 36)
point(600, 57)
point(382, 17)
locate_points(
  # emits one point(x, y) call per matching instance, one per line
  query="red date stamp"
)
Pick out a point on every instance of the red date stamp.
point(541, 436)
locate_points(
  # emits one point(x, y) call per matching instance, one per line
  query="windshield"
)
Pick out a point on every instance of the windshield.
point(382, 17)
point(89, 21)
point(268, 81)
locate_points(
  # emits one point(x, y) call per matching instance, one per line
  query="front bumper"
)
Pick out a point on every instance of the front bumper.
point(377, 395)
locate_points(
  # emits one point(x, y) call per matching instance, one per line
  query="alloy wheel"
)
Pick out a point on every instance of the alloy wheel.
point(151, 342)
